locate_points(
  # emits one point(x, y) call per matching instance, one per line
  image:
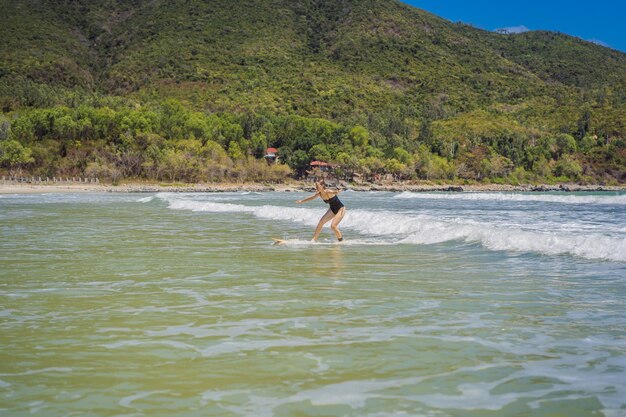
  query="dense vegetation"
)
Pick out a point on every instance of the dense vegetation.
point(196, 90)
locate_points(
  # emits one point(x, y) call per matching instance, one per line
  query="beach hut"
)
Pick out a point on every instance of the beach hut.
point(271, 155)
point(323, 166)
point(319, 169)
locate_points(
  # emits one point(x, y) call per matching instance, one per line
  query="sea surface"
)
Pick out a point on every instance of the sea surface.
point(435, 304)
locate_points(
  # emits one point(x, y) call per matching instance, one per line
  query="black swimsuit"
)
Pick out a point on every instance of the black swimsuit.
point(335, 204)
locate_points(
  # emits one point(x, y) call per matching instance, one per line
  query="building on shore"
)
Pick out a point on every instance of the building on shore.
point(271, 155)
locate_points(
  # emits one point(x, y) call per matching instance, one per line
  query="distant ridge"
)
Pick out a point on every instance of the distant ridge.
point(382, 49)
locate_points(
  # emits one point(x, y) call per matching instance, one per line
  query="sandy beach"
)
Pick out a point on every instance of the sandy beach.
point(26, 188)
point(7, 187)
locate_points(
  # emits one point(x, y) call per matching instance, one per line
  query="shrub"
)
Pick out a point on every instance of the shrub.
point(568, 167)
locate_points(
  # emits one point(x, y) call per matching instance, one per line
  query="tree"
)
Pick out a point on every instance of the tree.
point(495, 166)
point(66, 128)
point(372, 165)
point(588, 142)
point(359, 136)
point(568, 167)
point(197, 127)
point(320, 152)
point(5, 128)
point(103, 169)
point(542, 167)
point(348, 162)
point(395, 167)
point(298, 160)
point(154, 158)
point(431, 166)
point(234, 150)
point(547, 147)
point(13, 155)
point(402, 155)
point(173, 118)
point(174, 164)
point(566, 144)
point(258, 144)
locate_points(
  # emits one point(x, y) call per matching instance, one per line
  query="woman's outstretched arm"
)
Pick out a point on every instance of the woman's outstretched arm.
point(307, 199)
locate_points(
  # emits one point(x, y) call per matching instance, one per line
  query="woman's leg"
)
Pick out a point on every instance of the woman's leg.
point(325, 219)
point(338, 218)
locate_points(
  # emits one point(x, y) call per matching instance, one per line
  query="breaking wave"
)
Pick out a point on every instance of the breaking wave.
point(401, 228)
point(547, 198)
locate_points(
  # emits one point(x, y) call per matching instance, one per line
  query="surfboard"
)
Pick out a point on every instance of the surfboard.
point(278, 241)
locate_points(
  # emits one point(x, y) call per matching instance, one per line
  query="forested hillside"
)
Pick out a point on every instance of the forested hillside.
point(197, 90)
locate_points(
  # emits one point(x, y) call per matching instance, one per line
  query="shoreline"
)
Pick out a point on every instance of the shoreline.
point(137, 187)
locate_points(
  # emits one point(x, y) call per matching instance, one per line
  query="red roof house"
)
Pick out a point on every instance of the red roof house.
point(319, 164)
point(270, 155)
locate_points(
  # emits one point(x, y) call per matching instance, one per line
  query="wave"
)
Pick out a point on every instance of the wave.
point(426, 230)
point(547, 198)
point(400, 228)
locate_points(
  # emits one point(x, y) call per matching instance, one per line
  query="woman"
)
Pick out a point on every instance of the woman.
point(335, 212)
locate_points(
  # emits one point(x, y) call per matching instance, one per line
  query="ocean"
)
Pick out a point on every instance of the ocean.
point(435, 304)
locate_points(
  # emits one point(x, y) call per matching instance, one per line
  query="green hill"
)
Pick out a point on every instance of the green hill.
point(376, 86)
point(560, 58)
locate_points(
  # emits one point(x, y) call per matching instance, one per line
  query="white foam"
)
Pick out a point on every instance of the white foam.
point(567, 383)
point(549, 198)
point(401, 228)
point(514, 239)
point(39, 371)
point(127, 401)
point(321, 366)
point(421, 229)
point(171, 343)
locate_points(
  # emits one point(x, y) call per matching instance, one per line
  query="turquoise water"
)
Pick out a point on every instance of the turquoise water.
point(435, 305)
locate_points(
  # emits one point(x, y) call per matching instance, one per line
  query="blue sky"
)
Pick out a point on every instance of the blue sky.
point(600, 21)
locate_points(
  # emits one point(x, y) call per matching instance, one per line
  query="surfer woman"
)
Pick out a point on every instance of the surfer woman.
point(335, 212)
